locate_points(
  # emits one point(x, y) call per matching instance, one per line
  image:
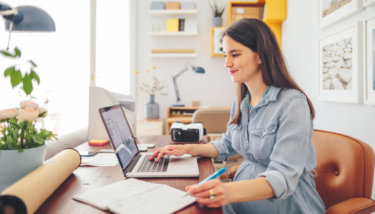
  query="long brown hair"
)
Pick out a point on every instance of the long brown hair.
point(256, 35)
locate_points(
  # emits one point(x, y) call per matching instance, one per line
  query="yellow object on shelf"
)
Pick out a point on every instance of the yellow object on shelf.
point(172, 25)
point(274, 16)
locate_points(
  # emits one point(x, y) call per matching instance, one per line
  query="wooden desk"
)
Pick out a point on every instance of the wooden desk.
point(89, 178)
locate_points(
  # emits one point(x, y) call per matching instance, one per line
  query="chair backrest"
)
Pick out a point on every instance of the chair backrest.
point(214, 119)
point(345, 167)
point(100, 97)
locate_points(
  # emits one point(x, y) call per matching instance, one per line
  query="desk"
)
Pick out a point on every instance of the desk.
point(89, 178)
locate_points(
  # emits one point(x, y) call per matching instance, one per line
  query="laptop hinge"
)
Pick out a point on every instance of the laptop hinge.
point(132, 164)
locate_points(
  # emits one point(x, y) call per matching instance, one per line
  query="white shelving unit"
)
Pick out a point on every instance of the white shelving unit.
point(172, 55)
point(173, 12)
point(159, 20)
point(173, 33)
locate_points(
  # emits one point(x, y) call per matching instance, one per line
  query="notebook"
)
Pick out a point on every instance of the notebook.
point(134, 163)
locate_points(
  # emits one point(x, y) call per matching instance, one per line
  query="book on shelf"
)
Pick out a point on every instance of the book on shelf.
point(181, 24)
point(172, 25)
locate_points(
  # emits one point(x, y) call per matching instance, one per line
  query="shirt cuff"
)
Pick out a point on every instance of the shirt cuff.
point(277, 182)
point(220, 147)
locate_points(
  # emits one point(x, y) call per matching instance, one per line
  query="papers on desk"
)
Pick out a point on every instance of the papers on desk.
point(136, 196)
point(100, 159)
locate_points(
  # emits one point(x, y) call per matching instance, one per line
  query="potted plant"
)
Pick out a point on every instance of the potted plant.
point(151, 109)
point(22, 145)
point(217, 11)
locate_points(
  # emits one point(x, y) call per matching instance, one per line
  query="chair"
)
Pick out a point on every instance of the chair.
point(214, 119)
point(345, 171)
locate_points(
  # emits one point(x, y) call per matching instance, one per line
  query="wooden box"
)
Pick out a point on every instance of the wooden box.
point(172, 5)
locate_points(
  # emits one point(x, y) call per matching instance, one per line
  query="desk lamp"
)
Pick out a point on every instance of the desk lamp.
point(187, 67)
point(26, 18)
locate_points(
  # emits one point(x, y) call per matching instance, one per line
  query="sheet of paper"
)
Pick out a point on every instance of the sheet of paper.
point(100, 159)
point(136, 196)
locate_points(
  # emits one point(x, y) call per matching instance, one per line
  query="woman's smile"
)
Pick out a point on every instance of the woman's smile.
point(232, 71)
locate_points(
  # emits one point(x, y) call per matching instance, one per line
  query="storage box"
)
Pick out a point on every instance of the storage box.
point(239, 13)
point(172, 25)
point(172, 5)
point(157, 5)
point(187, 5)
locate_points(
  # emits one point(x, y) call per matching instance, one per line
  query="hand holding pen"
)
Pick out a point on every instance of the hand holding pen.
point(210, 191)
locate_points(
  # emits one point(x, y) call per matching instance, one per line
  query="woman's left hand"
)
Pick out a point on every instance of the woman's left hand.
point(212, 193)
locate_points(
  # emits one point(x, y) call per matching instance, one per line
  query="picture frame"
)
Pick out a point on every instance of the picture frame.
point(339, 67)
point(216, 43)
point(369, 71)
point(367, 3)
point(333, 11)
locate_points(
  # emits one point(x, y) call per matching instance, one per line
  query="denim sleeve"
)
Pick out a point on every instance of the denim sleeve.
point(290, 152)
point(224, 146)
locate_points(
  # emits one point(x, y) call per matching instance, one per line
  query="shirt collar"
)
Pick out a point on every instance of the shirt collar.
point(270, 96)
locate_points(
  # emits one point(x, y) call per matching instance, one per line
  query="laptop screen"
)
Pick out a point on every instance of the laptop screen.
point(120, 134)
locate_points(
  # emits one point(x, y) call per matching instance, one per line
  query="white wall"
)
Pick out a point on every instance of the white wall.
point(212, 88)
point(300, 47)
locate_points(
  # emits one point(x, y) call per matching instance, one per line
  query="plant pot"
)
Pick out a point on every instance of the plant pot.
point(14, 164)
point(217, 21)
point(152, 109)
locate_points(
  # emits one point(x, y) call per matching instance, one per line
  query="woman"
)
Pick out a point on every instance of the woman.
point(271, 127)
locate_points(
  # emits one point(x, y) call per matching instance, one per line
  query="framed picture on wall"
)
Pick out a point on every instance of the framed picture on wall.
point(369, 74)
point(216, 43)
point(339, 67)
point(331, 11)
point(368, 2)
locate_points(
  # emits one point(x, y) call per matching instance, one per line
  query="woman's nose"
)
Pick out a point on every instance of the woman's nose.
point(228, 62)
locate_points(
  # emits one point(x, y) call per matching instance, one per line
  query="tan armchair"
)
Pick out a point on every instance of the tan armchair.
point(214, 119)
point(345, 171)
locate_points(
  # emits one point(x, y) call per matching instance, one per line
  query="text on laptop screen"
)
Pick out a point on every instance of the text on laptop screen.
point(120, 134)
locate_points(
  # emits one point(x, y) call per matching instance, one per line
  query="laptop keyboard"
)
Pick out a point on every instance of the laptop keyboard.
point(152, 166)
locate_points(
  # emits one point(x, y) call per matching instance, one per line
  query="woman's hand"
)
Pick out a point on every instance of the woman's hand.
point(212, 193)
point(176, 150)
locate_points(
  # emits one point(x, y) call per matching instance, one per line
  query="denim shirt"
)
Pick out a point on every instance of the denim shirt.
point(276, 138)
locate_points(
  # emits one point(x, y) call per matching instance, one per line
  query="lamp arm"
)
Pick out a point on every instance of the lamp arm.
point(181, 72)
point(176, 88)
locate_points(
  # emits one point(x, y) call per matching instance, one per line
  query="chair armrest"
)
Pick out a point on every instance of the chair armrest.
point(353, 205)
point(232, 171)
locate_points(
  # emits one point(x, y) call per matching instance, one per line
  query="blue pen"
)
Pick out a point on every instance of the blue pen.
point(212, 176)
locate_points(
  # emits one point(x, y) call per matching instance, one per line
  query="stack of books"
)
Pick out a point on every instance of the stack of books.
point(175, 24)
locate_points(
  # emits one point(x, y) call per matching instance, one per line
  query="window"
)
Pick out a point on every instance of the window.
point(63, 63)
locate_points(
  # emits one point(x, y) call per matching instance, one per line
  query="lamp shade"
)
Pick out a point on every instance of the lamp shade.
point(34, 19)
point(199, 70)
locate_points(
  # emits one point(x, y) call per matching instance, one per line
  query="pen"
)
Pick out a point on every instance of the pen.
point(212, 176)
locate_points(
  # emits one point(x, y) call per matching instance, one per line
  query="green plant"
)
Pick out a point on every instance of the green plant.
point(217, 8)
point(18, 125)
point(15, 74)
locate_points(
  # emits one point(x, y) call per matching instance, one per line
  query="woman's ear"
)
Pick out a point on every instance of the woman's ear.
point(259, 59)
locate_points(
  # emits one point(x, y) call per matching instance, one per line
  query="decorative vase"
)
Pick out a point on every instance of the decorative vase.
point(216, 21)
point(152, 109)
point(14, 164)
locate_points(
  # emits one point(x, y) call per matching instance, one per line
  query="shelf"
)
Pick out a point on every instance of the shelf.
point(173, 55)
point(173, 12)
point(173, 33)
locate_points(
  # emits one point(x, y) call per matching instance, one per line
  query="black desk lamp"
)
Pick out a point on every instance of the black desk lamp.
point(26, 18)
point(187, 67)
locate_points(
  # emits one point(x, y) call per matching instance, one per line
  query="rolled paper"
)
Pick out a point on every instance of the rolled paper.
point(38, 185)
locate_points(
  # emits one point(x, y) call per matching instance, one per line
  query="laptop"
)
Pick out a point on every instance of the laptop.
point(134, 163)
